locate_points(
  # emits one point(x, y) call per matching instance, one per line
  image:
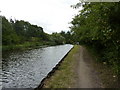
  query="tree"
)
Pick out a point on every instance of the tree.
point(98, 26)
point(57, 38)
point(9, 36)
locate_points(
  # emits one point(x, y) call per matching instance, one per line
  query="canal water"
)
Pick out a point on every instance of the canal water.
point(26, 69)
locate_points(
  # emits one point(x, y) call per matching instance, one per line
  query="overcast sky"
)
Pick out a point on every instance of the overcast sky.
point(52, 15)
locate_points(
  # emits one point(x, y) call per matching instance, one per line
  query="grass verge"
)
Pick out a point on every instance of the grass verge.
point(26, 45)
point(64, 76)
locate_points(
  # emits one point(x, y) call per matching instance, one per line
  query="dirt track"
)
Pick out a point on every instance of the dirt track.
point(86, 73)
point(86, 76)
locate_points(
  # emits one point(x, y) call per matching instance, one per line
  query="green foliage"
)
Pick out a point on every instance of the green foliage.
point(98, 26)
point(57, 38)
point(9, 35)
point(20, 34)
point(61, 38)
point(26, 31)
point(67, 36)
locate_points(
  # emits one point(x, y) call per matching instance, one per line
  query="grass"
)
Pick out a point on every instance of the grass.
point(63, 77)
point(23, 46)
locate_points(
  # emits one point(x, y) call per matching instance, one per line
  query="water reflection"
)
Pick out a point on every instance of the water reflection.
point(26, 69)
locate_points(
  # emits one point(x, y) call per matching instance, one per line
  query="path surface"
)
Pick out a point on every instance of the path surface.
point(86, 75)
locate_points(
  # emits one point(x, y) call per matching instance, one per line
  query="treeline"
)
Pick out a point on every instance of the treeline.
point(19, 34)
point(98, 26)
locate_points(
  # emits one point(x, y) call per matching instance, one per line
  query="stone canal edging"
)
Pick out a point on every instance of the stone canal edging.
point(52, 71)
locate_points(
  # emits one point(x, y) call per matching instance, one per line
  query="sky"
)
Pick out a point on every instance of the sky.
point(52, 15)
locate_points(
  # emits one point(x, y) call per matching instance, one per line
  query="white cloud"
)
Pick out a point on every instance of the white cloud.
point(52, 15)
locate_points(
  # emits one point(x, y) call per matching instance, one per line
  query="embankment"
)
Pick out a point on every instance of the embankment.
point(78, 69)
point(64, 77)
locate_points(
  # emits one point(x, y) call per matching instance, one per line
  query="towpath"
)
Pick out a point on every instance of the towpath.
point(86, 75)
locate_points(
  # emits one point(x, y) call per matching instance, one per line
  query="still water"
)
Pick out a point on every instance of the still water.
point(26, 69)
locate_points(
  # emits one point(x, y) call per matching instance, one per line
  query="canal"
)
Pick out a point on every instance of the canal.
point(26, 69)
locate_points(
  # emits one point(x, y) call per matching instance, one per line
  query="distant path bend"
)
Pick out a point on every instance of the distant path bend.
point(86, 75)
